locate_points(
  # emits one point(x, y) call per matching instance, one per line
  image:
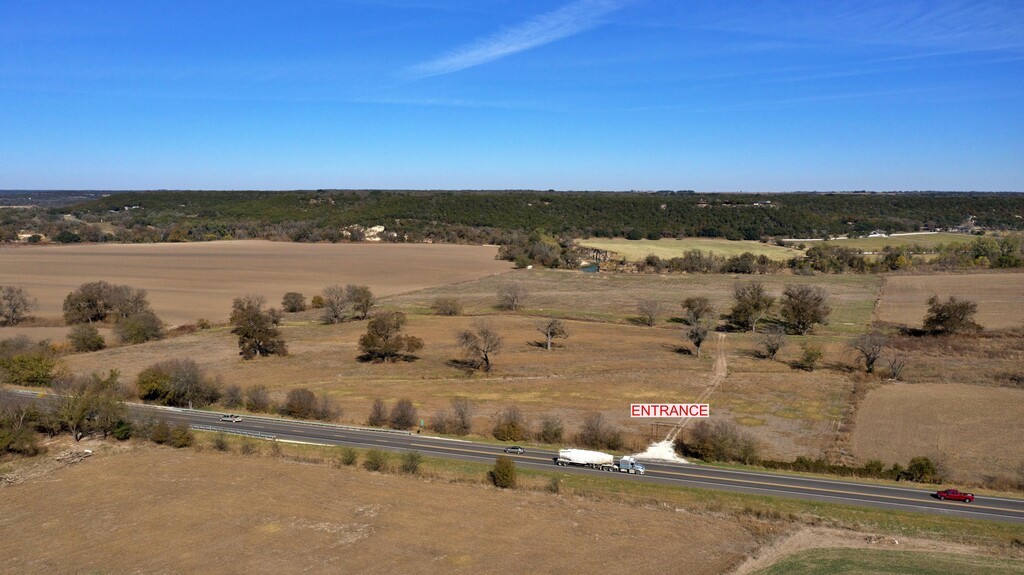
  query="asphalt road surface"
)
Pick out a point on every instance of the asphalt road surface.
point(683, 475)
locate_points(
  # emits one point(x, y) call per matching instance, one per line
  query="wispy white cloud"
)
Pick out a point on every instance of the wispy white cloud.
point(566, 21)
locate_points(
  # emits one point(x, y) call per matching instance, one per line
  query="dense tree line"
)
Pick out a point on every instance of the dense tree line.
point(477, 217)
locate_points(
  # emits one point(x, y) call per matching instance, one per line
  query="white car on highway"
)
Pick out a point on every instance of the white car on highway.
point(231, 418)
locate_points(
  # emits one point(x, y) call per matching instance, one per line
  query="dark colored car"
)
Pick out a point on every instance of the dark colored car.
point(515, 449)
point(954, 495)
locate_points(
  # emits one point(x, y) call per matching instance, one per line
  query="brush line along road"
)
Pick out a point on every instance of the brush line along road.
point(680, 475)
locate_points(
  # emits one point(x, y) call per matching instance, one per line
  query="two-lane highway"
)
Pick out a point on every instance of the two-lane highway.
point(684, 475)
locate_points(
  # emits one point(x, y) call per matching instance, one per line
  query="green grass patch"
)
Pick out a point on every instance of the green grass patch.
point(636, 250)
point(925, 241)
point(886, 562)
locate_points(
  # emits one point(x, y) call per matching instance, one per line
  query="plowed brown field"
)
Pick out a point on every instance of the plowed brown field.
point(198, 280)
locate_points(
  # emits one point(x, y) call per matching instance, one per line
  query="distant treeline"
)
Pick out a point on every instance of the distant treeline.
point(531, 225)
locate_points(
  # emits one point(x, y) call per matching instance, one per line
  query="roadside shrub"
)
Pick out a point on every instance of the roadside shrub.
point(378, 414)
point(504, 473)
point(85, 338)
point(122, 430)
point(718, 441)
point(376, 460)
point(220, 442)
point(247, 447)
point(317, 302)
point(178, 383)
point(232, 397)
point(300, 403)
point(921, 470)
point(160, 433)
point(403, 415)
point(555, 485)
point(257, 399)
point(203, 324)
point(411, 462)
point(446, 306)
point(181, 436)
point(511, 425)
point(551, 429)
point(34, 367)
point(596, 433)
point(348, 456)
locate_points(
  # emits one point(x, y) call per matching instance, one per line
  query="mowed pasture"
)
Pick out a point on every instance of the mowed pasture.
point(999, 295)
point(667, 248)
point(614, 296)
point(925, 240)
point(973, 431)
point(179, 511)
point(189, 281)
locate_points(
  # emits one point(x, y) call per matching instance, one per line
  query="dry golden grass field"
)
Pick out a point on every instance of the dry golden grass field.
point(635, 250)
point(973, 431)
point(179, 511)
point(999, 295)
point(198, 280)
point(605, 364)
point(600, 367)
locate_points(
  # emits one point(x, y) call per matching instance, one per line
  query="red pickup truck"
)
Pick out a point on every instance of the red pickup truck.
point(954, 495)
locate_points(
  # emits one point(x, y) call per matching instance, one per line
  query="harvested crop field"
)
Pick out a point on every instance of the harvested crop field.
point(635, 250)
point(973, 431)
point(187, 281)
point(1000, 297)
point(179, 511)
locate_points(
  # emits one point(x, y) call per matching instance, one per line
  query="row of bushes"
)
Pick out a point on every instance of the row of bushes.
point(723, 441)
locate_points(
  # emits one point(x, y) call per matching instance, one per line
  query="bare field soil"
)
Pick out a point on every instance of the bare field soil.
point(600, 367)
point(188, 281)
point(1000, 297)
point(179, 511)
point(635, 250)
point(973, 431)
point(988, 358)
point(614, 296)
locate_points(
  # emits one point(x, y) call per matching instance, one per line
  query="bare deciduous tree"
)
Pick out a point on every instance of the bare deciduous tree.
point(15, 303)
point(896, 364)
point(649, 311)
point(696, 309)
point(335, 305)
point(697, 332)
point(511, 296)
point(869, 348)
point(772, 343)
point(480, 344)
point(553, 328)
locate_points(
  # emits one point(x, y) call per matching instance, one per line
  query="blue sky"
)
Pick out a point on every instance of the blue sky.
point(720, 95)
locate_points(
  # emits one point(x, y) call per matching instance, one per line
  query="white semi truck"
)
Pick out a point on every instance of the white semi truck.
point(598, 460)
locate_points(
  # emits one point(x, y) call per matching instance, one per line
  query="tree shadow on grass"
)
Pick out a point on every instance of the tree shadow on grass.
point(404, 358)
